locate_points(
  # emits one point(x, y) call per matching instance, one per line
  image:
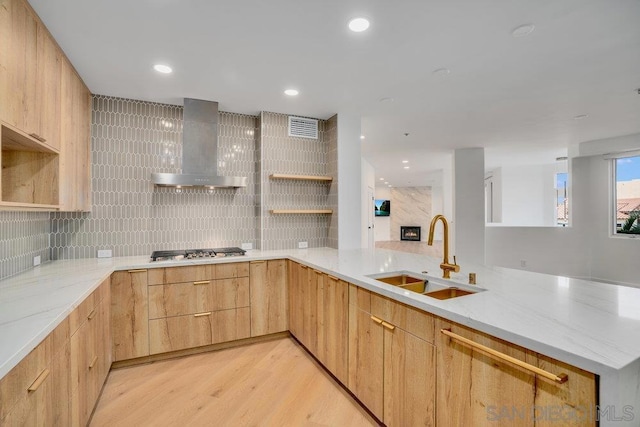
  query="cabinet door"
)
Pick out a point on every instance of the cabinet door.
point(75, 145)
point(335, 333)
point(480, 390)
point(269, 297)
point(19, 58)
point(366, 360)
point(49, 74)
point(180, 332)
point(573, 403)
point(129, 314)
point(409, 380)
point(295, 307)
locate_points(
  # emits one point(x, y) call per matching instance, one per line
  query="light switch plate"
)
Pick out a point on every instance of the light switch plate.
point(36, 260)
point(303, 245)
point(247, 246)
point(104, 253)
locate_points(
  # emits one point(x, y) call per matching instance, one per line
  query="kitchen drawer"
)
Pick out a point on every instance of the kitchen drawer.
point(179, 299)
point(231, 270)
point(195, 330)
point(88, 306)
point(410, 319)
point(190, 273)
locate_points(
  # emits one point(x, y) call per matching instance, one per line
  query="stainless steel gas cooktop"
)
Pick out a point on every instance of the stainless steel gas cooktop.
point(196, 253)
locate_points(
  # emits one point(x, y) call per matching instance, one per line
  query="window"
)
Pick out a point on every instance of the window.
point(562, 201)
point(627, 195)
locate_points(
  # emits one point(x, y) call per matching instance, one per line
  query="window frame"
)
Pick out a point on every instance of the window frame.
point(613, 205)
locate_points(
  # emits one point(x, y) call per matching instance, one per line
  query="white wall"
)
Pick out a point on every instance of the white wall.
point(349, 182)
point(383, 223)
point(469, 205)
point(587, 248)
point(368, 180)
point(528, 195)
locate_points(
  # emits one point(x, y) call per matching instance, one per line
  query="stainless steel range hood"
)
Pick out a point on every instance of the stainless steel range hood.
point(199, 150)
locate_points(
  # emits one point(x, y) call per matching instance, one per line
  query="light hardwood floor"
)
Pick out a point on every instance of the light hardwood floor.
point(273, 383)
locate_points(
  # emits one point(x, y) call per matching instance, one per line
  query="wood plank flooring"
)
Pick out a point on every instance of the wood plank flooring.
point(273, 383)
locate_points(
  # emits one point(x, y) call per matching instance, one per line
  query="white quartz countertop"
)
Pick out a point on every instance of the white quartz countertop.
point(594, 326)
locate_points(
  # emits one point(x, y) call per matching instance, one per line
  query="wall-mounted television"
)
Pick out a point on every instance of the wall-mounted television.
point(382, 207)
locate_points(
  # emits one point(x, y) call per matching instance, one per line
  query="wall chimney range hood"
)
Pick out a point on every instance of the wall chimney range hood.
point(199, 150)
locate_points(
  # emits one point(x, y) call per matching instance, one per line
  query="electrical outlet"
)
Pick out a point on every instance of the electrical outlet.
point(523, 263)
point(104, 253)
point(303, 245)
point(247, 246)
point(36, 260)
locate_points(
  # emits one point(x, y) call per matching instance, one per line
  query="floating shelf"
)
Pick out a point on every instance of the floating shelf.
point(301, 211)
point(301, 177)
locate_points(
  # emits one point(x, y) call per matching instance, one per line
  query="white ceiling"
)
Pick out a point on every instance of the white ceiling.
point(515, 96)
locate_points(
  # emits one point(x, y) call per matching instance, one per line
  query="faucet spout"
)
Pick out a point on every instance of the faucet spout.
point(446, 267)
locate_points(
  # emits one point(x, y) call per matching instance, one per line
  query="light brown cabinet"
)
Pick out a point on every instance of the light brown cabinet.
point(475, 387)
point(58, 383)
point(269, 297)
point(35, 392)
point(46, 104)
point(319, 316)
point(90, 357)
point(392, 371)
point(207, 305)
point(129, 314)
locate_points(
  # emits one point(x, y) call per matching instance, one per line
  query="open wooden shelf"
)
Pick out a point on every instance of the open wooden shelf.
point(301, 211)
point(301, 177)
point(30, 171)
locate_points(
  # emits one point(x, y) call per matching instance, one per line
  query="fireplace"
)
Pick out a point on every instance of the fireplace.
point(411, 232)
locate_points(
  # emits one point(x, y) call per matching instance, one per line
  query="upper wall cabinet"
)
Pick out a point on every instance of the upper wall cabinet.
point(47, 104)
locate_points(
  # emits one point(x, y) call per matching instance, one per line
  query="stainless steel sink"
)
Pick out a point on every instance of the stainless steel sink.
point(432, 287)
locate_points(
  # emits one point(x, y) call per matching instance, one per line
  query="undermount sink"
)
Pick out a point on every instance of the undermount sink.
point(425, 285)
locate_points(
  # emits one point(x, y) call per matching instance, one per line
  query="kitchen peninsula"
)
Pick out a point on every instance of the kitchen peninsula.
point(588, 325)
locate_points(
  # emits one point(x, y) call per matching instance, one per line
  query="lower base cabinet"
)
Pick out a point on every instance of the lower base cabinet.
point(392, 371)
point(200, 329)
point(481, 389)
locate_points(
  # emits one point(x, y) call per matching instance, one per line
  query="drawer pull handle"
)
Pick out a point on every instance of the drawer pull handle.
point(375, 319)
point(258, 262)
point(93, 362)
point(92, 314)
point(38, 382)
point(303, 266)
point(202, 282)
point(38, 137)
point(333, 278)
point(140, 270)
point(202, 314)
point(560, 378)
point(389, 326)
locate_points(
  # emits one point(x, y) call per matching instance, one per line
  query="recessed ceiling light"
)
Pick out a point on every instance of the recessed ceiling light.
point(406, 167)
point(389, 186)
point(523, 30)
point(381, 179)
point(386, 182)
point(358, 25)
point(361, 136)
point(581, 116)
point(441, 71)
point(291, 92)
point(161, 68)
point(385, 100)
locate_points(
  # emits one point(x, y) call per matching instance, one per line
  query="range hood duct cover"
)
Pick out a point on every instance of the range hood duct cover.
point(199, 150)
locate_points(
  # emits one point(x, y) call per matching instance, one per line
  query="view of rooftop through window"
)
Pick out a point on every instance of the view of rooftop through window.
point(562, 200)
point(627, 173)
